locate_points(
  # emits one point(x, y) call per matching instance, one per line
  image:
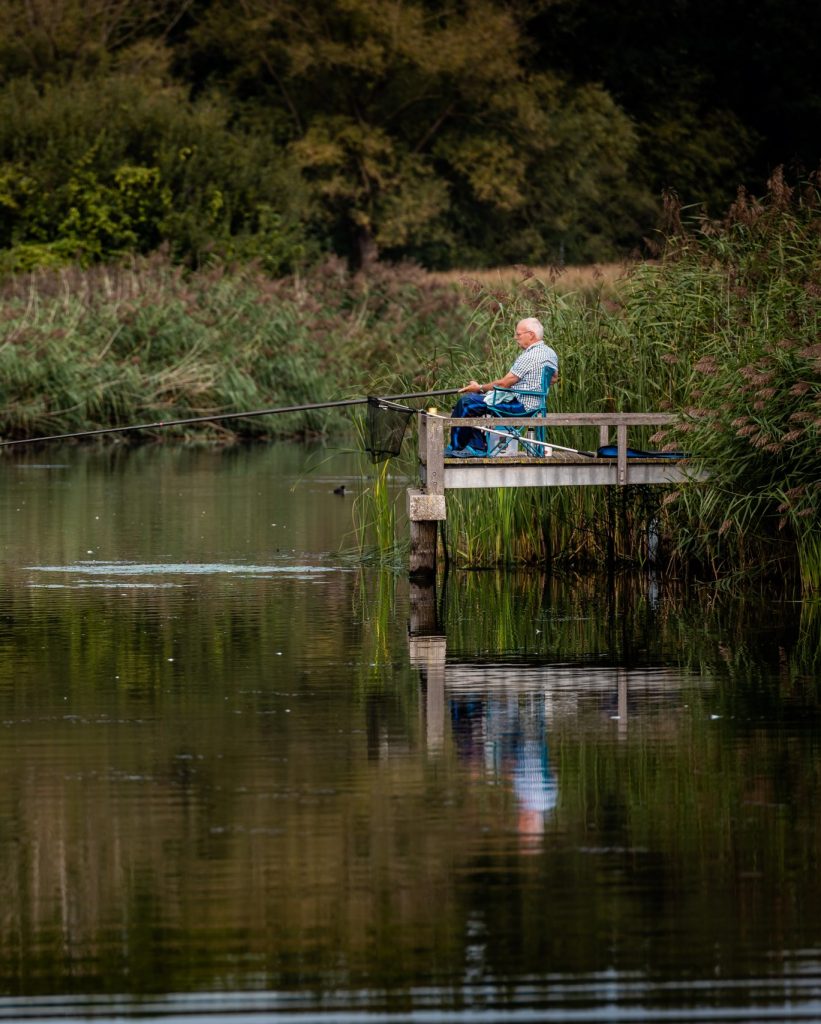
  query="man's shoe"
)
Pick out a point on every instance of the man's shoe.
point(469, 452)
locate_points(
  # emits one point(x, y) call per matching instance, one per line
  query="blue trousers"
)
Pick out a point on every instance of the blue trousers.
point(470, 405)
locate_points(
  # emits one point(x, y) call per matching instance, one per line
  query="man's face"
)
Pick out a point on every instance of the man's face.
point(524, 338)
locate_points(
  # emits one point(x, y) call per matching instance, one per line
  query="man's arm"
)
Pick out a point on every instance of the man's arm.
point(476, 388)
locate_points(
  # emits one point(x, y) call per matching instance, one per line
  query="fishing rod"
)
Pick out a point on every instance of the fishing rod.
point(222, 416)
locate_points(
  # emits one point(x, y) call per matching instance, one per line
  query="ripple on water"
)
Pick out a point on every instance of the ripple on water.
point(603, 996)
point(118, 569)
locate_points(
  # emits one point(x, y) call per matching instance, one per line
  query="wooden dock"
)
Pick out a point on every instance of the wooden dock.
point(438, 474)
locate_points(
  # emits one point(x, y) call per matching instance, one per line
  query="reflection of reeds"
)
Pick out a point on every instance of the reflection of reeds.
point(374, 609)
point(172, 816)
point(632, 619)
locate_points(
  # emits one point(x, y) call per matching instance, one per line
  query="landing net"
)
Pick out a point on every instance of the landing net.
point(385, 428)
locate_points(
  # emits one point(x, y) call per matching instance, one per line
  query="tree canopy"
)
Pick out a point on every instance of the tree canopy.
point(454, 132)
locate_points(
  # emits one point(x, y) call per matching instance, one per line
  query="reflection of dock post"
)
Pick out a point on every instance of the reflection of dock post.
point(427, 650)
point(424, 619)
point(621, 684)
point(428, 653)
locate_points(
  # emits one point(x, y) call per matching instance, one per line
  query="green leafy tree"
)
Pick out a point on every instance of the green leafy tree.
point(721, 93)
point(91, 169)
point(66, 38)
point(423, 126)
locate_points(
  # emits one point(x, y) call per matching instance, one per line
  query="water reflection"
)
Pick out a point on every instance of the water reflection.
point(233, 781)
point(497, 716)
point(505, 737)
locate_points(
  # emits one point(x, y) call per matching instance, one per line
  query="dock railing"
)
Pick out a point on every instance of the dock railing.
point(434, 429)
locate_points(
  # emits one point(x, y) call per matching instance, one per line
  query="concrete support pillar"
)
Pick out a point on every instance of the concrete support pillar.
point(423, 542)
point(425, 511)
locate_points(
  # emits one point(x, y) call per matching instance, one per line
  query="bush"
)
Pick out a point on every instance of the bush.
point(92, 170)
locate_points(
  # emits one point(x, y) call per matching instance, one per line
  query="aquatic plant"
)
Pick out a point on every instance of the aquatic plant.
point(751, 410)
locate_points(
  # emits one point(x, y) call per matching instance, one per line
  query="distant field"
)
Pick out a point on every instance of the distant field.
point(566, 279)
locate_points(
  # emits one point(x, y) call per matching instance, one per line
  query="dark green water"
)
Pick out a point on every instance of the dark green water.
point(233, 787)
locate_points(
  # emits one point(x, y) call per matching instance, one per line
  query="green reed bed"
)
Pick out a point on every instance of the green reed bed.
point(538, 615)
point(81, 350)
point(722, 329)
point(752, 407)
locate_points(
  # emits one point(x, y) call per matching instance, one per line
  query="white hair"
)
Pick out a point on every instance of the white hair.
point(532, 324)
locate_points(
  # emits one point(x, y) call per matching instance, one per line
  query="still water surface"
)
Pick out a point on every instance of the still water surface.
point(233, 787)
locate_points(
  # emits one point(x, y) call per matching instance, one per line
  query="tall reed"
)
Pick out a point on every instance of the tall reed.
point(752, 404)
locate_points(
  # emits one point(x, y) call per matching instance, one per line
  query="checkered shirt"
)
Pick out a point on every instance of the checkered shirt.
point(528, 368)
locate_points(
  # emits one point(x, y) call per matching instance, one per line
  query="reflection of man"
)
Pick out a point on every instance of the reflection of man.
point(505, 735)
point(524, 375)
point(535, 787)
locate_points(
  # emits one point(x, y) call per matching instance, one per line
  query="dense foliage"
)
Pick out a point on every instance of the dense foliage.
point(752, 404)
point(722, 329)
point(452, 133)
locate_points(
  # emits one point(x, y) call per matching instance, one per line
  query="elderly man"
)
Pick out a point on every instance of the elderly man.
point(524, 375)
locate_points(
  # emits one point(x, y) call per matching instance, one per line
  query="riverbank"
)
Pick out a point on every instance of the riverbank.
point(723, 331)
point(85, 349)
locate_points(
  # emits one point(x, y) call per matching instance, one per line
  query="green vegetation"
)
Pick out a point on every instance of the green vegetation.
point(723, 329)
point(467, 134)
point(104, 347)
point(752, 398)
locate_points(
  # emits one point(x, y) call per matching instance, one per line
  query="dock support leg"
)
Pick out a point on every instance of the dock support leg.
point(425, 511)
point(424, 618)
point(422, 549)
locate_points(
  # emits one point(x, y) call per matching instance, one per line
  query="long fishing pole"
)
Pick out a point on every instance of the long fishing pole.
point(221, 416)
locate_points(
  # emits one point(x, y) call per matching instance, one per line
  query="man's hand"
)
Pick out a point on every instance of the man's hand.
point(473, 386)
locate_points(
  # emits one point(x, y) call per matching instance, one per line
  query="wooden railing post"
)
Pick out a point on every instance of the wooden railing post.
point(621, 454)
point(423, 438)
point(434, 456)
